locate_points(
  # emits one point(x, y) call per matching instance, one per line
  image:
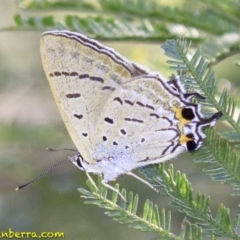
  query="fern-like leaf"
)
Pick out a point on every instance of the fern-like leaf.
point(125, 213)
point(228, 168)
point(180, 190)
point(203, 80)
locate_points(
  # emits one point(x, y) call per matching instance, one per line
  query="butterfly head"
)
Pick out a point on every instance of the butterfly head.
point(78, 161)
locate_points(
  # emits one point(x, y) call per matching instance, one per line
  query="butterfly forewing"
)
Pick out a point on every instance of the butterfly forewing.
point(82, 75)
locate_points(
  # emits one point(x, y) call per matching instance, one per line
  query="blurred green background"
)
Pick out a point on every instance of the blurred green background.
point(30, 122)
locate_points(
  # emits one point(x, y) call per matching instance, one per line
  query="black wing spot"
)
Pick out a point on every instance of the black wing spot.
point(118, 99)
point(149, 106)
point(126, 147)
point(57, 74)
point(187, 113)
point(65, 73)
point(154, 115)
point(85, 134)
point(78, 116)
point(73, 74)
point(191, 146)
point(123, 131)
point(129, 102)
point(137, 120)
point(104, 138)
point(82, 76)
point(98, 79)
point(108, 120)
point(108, 88)
point(140, 104)
point(73, 95)
point(115, 143)
point(142, 140)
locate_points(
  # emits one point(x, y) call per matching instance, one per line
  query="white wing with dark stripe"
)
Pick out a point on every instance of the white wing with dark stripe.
point(119, 115)
point(82, 75)
point(139, 122)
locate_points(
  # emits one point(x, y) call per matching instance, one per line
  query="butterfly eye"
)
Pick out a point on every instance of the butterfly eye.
point(78, 163)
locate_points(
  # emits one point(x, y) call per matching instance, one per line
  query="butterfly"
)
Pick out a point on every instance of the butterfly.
point(120, 115)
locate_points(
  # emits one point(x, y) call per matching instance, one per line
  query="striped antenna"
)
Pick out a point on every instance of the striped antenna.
point(42, 174)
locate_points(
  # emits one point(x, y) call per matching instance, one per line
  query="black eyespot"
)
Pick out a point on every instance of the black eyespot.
point(191, 146)
point(187, 113)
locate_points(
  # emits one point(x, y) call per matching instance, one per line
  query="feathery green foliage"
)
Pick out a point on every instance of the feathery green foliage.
point(130, 19)
point(126, 213)
point(177, 186)
point(202, 79)
point(149, 21)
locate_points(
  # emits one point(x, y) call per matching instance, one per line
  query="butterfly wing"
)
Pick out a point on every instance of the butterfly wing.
point(147, 120)
point(82, 74)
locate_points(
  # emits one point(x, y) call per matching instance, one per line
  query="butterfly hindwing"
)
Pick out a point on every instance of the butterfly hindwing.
point(138, 120)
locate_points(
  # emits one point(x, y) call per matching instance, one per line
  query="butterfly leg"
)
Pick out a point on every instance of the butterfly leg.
point(143, 181)
point(91, 180)
point(114, 189)
point(107, 186)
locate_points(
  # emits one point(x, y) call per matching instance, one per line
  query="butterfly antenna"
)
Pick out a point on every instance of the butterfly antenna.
point(42, 174)
point(63, 149)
